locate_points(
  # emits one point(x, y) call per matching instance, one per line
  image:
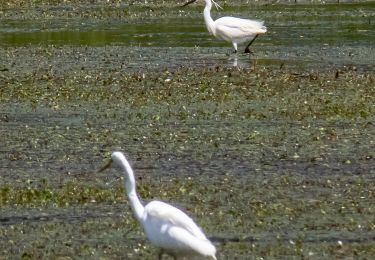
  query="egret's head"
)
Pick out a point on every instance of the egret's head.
point(116, 159)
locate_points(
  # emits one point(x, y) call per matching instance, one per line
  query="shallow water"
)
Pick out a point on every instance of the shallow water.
point(307, 36)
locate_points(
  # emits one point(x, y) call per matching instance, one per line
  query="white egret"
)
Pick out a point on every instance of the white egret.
point(232, 29)
point(165, 226)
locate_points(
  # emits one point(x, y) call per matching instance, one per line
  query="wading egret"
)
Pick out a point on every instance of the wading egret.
point(232, 29)
point(165, 226)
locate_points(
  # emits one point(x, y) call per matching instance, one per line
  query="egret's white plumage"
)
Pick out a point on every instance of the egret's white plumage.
point(165, 226)
point(232, 29)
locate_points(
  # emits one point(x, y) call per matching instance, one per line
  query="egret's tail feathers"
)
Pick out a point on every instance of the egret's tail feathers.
point(256, 26)
point(206, 248)
point(186, 241)
point(210, 250)
point(261, 27)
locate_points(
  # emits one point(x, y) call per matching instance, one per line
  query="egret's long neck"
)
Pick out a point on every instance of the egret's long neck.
point(130, 189)
point(210, 24)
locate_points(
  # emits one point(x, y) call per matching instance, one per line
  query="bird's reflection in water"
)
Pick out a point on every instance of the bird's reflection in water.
point(241, 61)
point(235, 61)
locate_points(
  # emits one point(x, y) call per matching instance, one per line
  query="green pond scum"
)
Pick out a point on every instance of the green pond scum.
point(273, 158)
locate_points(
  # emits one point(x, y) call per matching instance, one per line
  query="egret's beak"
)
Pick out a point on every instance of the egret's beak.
point(107, 165)
point(190, 2)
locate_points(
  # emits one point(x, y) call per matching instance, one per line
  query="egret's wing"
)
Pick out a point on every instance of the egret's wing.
point(238, 27)
point(173, 216)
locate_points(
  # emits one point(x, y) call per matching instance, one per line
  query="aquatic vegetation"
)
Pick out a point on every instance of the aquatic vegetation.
point(206, 93)
point(285, 158)
point(288, 214)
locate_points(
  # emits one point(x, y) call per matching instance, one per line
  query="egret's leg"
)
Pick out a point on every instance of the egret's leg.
point(235, 47)
point(247, 50)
